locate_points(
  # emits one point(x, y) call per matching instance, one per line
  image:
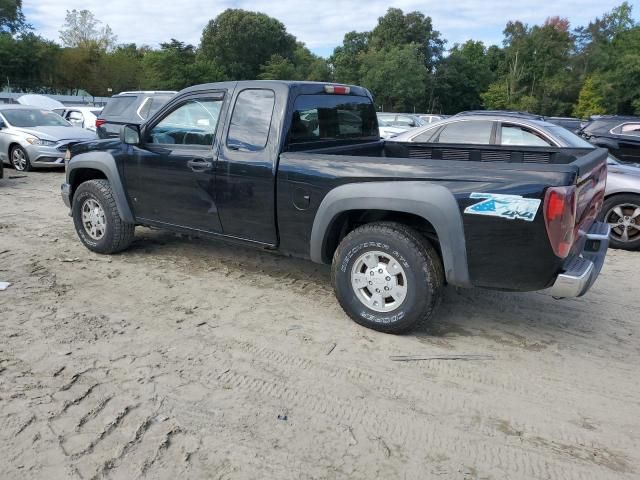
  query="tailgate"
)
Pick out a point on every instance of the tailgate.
point(590, 188)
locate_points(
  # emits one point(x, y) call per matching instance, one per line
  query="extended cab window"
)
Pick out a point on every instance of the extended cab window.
point(332, 117)
point(470, 131)
point(192, 123)
point(521, 136)
point(251, 120)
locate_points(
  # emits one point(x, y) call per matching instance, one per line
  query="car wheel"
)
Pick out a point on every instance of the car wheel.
point(20, 159)
point(387, 277)
point(622, 213)
point(97, 220)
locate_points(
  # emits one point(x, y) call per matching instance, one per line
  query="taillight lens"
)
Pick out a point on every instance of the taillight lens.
point(560, 218)
point(100, 122)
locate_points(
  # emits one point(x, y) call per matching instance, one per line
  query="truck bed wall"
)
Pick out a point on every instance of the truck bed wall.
point(511, 254)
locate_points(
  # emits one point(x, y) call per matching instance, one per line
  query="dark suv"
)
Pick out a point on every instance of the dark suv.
point(129, 108)
point(621, 135)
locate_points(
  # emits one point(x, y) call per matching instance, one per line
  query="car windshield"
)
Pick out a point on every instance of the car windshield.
point(569, 138)
point(31, 117)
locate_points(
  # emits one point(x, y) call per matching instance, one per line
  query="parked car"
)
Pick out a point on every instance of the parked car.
point(622, 181)
point(403, 120)
point(246, 162)
point(621, 135)
point(82, 117)
point(621, 208)
point(570, 123)
point(510, 113)
point(32, 137)
point(431, 118)
point(129, 108)
point(387, 130)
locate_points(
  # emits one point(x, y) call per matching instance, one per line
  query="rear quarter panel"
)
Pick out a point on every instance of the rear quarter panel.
point(502, 253)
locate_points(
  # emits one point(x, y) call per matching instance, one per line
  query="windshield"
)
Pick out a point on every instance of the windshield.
point(570, 139)
point(28, 117)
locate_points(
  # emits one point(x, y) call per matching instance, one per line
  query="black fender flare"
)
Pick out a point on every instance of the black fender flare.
point(105, 163)
point(434, 203)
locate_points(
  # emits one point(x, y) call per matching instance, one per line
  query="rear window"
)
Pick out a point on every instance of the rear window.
point(332, 117)
point(467, 132)
point(96, 112)
point(117, 105)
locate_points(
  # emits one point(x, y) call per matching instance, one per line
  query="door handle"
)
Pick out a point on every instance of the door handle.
point(199, 165)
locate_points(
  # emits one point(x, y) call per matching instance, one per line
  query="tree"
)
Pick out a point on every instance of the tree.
point(11, 16)
point(462, 76)
point(82, 29)
point(393, 91)
point(397, 29)
point(278, 68)
point(176, 66)
point(241, 42)
point(347, 58)
point(590, 100)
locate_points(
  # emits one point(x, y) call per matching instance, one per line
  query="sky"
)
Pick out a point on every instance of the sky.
point(320, 25)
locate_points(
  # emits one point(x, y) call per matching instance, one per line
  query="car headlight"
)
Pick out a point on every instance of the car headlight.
point(38, 141)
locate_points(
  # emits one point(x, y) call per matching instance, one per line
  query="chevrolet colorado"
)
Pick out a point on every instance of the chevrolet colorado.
point(299, 167)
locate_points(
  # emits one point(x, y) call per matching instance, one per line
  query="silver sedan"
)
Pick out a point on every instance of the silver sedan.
point(33, 137)
point(621, 207)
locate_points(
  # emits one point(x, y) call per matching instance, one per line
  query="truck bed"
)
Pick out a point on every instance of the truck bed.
point(496, 248)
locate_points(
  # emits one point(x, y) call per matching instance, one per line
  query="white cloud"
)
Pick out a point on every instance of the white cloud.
point(321, 25)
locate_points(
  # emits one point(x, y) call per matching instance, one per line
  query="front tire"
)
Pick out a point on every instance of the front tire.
point(96, 218)
point(387, 277)
point(20, 159)
point(622, 213)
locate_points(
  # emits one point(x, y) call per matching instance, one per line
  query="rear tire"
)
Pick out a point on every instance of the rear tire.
point(618, 211)
point(387, 277)
point(96, 218)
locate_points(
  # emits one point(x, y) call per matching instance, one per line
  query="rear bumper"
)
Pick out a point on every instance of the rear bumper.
point(580, 272)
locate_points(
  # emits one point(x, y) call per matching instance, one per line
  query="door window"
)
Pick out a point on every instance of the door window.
point(192, 123)
point(521, 136)
point(251, 120)
point(471, 131)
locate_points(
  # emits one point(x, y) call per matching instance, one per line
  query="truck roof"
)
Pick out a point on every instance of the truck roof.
point(297, 85)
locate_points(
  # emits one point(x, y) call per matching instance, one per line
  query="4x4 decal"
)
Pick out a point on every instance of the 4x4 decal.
point(504, 206)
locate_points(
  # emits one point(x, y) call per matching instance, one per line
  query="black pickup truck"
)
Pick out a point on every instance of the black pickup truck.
point(298, 167)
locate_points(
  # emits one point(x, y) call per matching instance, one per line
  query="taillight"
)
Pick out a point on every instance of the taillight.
point(560, 218)
point(100, 122)
point(337, 89)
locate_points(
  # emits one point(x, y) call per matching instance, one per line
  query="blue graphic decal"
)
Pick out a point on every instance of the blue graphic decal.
point(504, 206)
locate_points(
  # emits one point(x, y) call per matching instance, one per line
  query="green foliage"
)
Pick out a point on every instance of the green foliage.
point(241, 42)
point(497, 96)
point(347, 58)
point(176, 66)
point(548, 69)
point(11, 16)
point(393, 92)
point(463, 76)
point(395, 29)
point(590, 100)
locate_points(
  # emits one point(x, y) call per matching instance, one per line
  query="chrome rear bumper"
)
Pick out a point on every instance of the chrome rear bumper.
point(581, 272)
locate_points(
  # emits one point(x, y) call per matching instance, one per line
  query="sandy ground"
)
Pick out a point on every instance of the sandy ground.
point(190, 359)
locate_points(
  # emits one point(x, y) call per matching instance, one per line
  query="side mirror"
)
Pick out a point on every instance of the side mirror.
point(2, 125)
point(130, 134)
